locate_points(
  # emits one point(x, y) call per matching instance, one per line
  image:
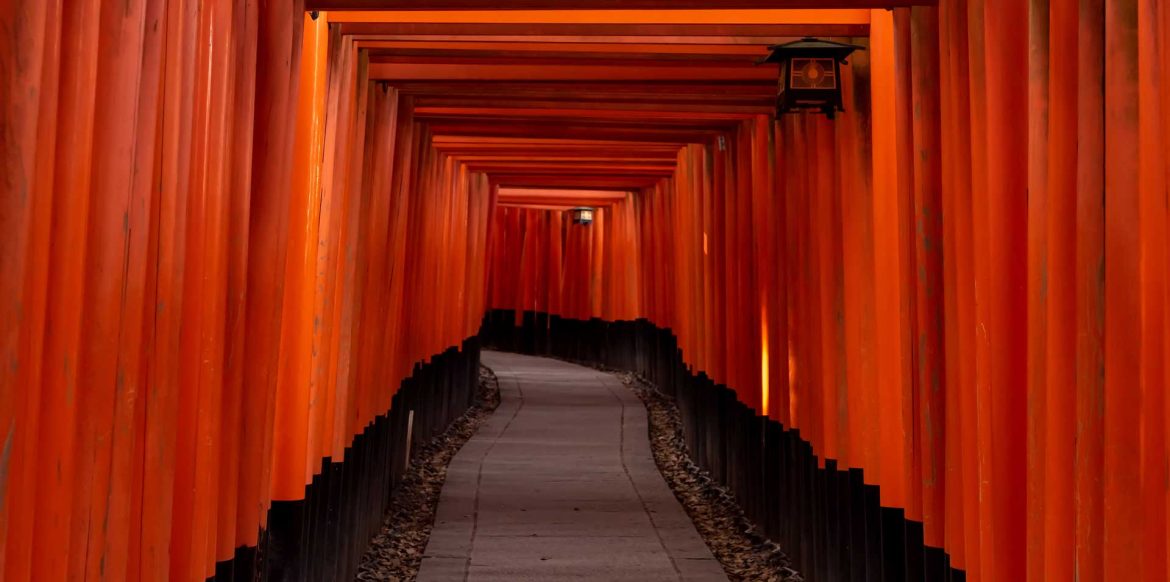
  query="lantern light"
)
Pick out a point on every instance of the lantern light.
point(582, 215)
point(810, 75)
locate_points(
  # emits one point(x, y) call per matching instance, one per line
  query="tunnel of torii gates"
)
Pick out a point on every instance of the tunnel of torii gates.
point(244, 244)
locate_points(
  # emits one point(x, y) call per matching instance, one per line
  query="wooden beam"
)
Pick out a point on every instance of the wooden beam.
point(594, 182)
point(354, 30)
point(678, 136)
point(644, 94)
point(561, 49)
point(577, 32)
point(553, 205)
point(577, 113)
point(717, 12)
point(489, 72)
point(602, 4)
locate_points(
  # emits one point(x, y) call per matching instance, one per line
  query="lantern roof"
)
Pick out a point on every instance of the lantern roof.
point(810, 47)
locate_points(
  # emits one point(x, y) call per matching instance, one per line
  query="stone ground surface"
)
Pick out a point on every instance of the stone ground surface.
point(560, 484)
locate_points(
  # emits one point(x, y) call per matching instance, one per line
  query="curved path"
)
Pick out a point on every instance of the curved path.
point(559, 484)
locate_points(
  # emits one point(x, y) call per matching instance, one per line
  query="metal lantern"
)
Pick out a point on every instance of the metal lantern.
point(810, 75)
point(582, 215)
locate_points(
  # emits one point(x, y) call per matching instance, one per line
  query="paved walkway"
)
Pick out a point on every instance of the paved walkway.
point(559, 484)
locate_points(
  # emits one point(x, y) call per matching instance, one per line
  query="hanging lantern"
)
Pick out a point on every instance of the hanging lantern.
point(582, 215)
point(810, 75)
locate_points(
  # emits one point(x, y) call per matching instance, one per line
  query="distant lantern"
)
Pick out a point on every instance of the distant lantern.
point(582, 215)
point(810, 75)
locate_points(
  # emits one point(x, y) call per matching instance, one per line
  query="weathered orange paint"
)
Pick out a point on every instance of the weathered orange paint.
point(1090, 286)
point(1152, 206)
point(1054, 516)
point(929, 352)
point(890, 249)
point(961, 539)
point(1122, 401)
point(58, 451)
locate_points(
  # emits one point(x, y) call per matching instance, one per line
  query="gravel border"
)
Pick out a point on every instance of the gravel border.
point(396, 553)
point(743, 550)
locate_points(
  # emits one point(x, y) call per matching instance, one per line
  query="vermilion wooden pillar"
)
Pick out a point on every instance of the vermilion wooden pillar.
point(1038, 201)
point(1122, 395)
point(1090, 288)
point(859, 447)
point(889, 244)
point(1006, 220)
point(1152, 207)
point(28, 108)
point(951, 116)
point(929, 355)
point(57, 446)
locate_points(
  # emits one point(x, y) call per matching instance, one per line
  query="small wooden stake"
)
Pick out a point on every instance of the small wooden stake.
point(409, 435)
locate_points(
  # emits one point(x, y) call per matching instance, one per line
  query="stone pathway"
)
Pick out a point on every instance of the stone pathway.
point(559, 484)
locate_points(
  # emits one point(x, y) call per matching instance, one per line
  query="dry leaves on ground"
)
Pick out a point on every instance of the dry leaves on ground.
point(743, 550)
point(396, 553)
